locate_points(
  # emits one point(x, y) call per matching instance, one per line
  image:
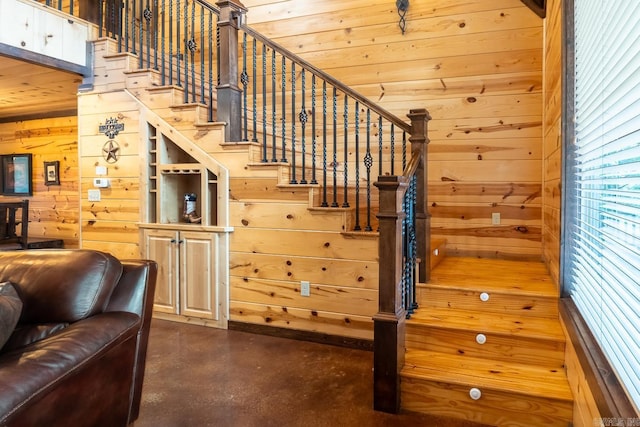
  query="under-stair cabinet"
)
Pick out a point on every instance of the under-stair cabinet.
point(182, 234)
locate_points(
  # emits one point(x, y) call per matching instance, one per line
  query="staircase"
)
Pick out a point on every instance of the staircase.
point(486, 346)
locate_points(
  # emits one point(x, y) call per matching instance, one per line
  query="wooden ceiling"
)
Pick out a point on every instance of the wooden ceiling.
point(30, 91)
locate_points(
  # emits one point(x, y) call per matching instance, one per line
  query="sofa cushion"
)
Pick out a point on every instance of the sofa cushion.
point(60, 285)
point(24, 335)
point(10, 310)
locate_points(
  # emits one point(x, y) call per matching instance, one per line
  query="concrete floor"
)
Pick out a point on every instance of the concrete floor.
point(198, 376)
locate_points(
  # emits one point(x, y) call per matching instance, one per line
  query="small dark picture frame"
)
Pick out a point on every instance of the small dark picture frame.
point(52, 173)
point(16, 174)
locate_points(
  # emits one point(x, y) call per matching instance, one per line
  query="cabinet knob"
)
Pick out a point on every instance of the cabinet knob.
point(180, 241)
point(173, 240)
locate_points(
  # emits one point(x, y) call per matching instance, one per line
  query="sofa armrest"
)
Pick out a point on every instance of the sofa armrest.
point(134, 293)
point(90, 362)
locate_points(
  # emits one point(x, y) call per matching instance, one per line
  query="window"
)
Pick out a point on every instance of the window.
point(602, 185)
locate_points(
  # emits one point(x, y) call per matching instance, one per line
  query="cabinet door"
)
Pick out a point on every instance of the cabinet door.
point(161, 246)
point(199, 275)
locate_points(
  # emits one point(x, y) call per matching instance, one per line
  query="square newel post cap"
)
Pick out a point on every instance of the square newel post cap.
point(230, 9)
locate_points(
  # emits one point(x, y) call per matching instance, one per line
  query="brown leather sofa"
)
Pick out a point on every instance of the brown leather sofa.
point(77, 355)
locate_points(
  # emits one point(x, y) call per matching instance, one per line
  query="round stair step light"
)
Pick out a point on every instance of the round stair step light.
point(481, 338)
point(475, 393)
point(484, 297)
point(436, 252)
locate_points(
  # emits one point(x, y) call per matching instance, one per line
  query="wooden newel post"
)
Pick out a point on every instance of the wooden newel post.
point(389, 322)
point(419, 142)
point(229, 93)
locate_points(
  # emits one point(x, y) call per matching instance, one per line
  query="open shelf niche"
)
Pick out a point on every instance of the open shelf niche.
point(173, 173)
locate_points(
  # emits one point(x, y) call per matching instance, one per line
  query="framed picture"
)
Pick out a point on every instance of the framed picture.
point(52, 173)
point(16, 174)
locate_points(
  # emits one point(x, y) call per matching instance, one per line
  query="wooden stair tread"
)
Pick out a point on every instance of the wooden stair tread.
point(492, 275)
point(488, 322)
point(537, 381)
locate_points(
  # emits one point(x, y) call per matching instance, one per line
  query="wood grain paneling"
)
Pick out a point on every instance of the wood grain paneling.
point(552, 134)
point(476, 66)
point(54, 209)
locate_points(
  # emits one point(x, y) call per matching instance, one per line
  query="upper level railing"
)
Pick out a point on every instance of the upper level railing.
point(329, 135)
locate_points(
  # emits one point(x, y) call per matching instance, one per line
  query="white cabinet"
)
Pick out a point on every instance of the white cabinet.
point(188, 286)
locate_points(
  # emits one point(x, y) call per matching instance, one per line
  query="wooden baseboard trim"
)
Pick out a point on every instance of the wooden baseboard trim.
point(608, 393)
point(317, 337)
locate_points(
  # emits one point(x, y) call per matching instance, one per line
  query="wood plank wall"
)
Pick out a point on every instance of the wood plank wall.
point(53, 210)
point(477, 67)
point(110, 224)
point(552, 151)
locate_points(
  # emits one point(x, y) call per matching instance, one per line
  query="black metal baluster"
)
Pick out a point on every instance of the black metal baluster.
point(345, 173)
point(404, 150)
point(148, 15)
point(283, 73)
point(210, 70)
point(117, 32)
point(357, 164)
point(393, 150)
point(179, 43)
point(244, 79)
point(303, 125)
point(117, 16)
point(170, 42)
point(293, 124)
point(187, 52)
point(264, 103)
point(324, 144)
point(141, 20)
point(368, 162)
point(313, 129)
point(380, 146)
point(133, 29)
point(156, 13)
point(202, 49)
point(414, 242)
point(255, 89)
point(101, 19)
point(217, 54)
point(335, 149)
point(192, 49)
point(274, 143)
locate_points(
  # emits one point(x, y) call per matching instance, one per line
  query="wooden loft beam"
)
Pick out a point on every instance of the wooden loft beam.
point(538, 6)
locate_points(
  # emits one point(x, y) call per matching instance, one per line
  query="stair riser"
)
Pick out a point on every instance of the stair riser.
point(494, 407)
point(166, 97)
point(511, 349)
point(142, 79)
point(459, 299)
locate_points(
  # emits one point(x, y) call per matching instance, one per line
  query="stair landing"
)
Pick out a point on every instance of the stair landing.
point(490, 326)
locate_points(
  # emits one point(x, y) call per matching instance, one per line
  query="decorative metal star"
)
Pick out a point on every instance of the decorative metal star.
point(110, 151)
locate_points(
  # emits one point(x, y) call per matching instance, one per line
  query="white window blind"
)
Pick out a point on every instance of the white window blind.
point(602, 237)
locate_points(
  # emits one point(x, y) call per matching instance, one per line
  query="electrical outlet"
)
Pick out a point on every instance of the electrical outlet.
point(495, 218)
point(305, 288)
point(93, 195)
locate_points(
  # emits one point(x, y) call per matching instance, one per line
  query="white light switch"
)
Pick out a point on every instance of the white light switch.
point(101, 170)
point(495, 218)
point(93, 195)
